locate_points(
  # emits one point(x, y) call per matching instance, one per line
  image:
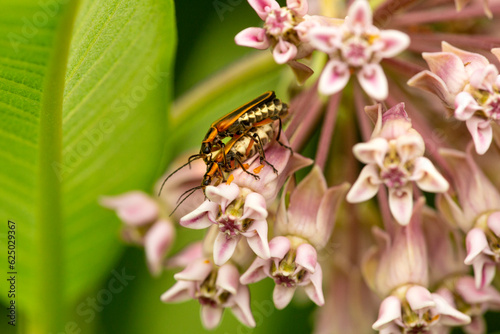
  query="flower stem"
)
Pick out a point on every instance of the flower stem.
point(325, 139)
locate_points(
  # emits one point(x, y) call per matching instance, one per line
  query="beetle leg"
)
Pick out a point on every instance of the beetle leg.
point(278, 137)
point(237, 159)
point(262, 155)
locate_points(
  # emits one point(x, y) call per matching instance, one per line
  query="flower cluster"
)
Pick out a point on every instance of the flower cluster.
point(423, 253)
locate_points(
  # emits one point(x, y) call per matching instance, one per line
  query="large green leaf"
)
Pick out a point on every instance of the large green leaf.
point(84, 90)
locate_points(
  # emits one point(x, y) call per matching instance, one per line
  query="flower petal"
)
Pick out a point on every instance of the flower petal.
point(473, 60)
point(202, 217)
point(279, 246)
point(134, 208)
point(427, 177)
point(282, 296)
point(228, 278)
point(476, 243)
point(325, 38)
point(197, 270)
point(263, 7)
point(366, 186)
point(299, 6)
point(432, 83)
point(186, 256)
point(449, 67)
point(157, 242)
point(257, 271)
point(210, 316)
point(410, 146)
point(401, 203)
point(373, 81)
point(390, 310)
point(419, 298)
point(393, 42)
point(484, 78)
point(334, 77)
point(484, 271)
point(223, 194)
point(304, 204)
point(467, 289)
point(302, 72)
point(179, 292)
point(284, 51)
point(257, 238)
point(481, 133)
point(253, 38)
point(465, 106)
point(327, 214)
point(359, 16)
point(371, 152)
point(307, 257)
point(242, 309)
point(224, 247)
point(255, 207)
point(314, 289)
point(449, 315)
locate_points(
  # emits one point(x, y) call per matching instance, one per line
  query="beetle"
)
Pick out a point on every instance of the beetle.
point(264, 109)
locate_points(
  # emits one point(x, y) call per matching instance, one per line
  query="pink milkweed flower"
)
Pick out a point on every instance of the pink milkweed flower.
point(357, 46)
point(474, 302)
point(238, 212)
point(293, 263)
point(394, 157)
point(469, 85)
point(144, 225)
point(397, 269)
point(399, 258)
point(285, 29)
point(307, 222)
point(414, 309)
point(216, 288)
point(478, 214)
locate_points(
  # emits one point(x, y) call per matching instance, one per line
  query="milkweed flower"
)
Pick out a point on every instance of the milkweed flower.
point(469, 85)
point(144, 225)
point(304, 226)
point(238, 212)
point(356, 46)
point(397, 269)
point(461, 292)
point(394, 157)
point(478, 214)
point(284, 29)
point(216, 288)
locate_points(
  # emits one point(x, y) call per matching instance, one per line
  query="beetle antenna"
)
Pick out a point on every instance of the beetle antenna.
point(190, 159)
point(189, 192)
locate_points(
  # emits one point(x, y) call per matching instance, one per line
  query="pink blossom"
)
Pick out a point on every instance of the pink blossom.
point(415, 309)
point(293, 263)
point(399, 258)
point(144, 225)
point(312, 208)
point(285, 29)
point(356, 46)
point(469, 85)
point(238, 212)
point(394, 157)
point(216, 288)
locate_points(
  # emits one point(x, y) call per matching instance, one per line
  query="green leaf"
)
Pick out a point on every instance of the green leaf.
point(84, 90)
